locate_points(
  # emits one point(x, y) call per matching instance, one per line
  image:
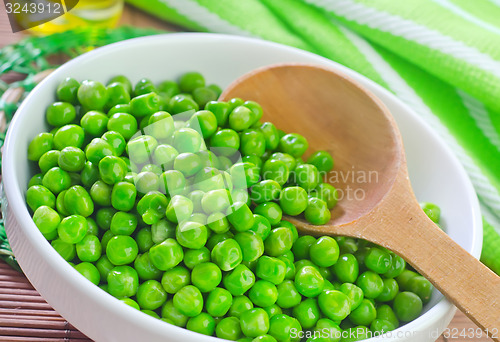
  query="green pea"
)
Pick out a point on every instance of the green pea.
point(187, 140)
point(205, 122)
point(188, 301)
point(89, 248)
point(172, 182)
point(36, 179)
point(271, 269)
point(381, 326)
point(123, 123)
point(145, 268)
point(46, 219)
point(182, 103)
point(190, 81)
point(385, 312)
point(271, 211)
point(390, 290)
point(364, 314)
point(56, 180)
point(71, 159)
point(166, 255)
point(239, 280)
point(252, 142)
point(228, 328)
point(119, 108)
point(254, 322)
point(122, 250)
point(309, 282)
point(175, 279)
point(203, 324)
point(327, 193)
point(123, 281)
point(252, 245)
point(275, 170)
point(307, 313)
point(97, 149)
point(170, 88)
point(279, 241)
point(144, 86)
point(371, 284)
point(334, 304)
point(104, 216)
point(206, 276)
point(244, 175)
point(123, 223)
point(123, 196)
point(89, 271)
point(265, 191)
point(145, 105)
point(240, 216)
point(92, 95)
point(294, 144)
point(60, 113)
point(432, 211)
point(347, 268)
point(40, 144)
point(191, 234)
point(307, 176)
point(283, 327)
point(322, 160)
point(324, 252)
point(162, 230)
point(218, 223)
point(220, 110)
point(227, 254)
point(418, 285)
point(353, 292)
point(112, 169)
point(66, 250)
point(160, 125)
point(378, 260)
point(285, 158)
point(77, 201)
point(118, 93)
point(273, 310)
point(271, 135)
point(290, 267)
point(130, 302)
point(263, 293)
point(261, 226)
point(93, 229)
point(398, 265)
point(407, 306)
point(193, 257)
point(293, 200)
point(94, 123)
point(151, 295)
point(225, 142)
point(104, 266)
point(69, 135)
point(168, 311)
point(241, 118)
point(152, 206)
point(317, 211)
point(89, 174)
point(67, 90)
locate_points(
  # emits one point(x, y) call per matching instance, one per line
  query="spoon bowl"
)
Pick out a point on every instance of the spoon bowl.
point(337, 114)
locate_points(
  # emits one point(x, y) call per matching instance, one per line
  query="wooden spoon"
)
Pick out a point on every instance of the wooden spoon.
point(337, 114)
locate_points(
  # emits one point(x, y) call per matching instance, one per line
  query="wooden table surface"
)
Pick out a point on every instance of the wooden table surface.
point(460, 327)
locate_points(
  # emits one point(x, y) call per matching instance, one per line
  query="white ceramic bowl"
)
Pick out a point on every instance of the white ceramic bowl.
point(435, 174)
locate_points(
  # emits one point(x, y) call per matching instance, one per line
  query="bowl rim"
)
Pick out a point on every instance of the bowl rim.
point(19, 209)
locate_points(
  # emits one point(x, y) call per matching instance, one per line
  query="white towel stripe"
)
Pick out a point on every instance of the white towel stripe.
point(199, 14)
point(404, 28)
point(485, 190)
point(480, 115)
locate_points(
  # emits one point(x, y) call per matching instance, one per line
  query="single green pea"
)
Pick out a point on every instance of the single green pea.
point(166, 255)
point(191, 235)
point(293, 200)
point(193, 257)
point(334, 304)
point(92, 229)
point(36, 179)
point(151, 295)
point(130, 302)
point(252, 142)
point(182, 103)
point(317, 211)
point(188, 163)
point(398, 265)
point(94, 123)
point(307, 313)
point(265, 191)
point(69, 135)
point(164, 155)
point(225, 142)
point(39, 145)
point(89, 174)
point(364, 314)
point(239, 280)
point(72, 229)
point(330, 327)
point(119, 108)
point(220, 110)
point(309, 282)
point(71, 159)
point(271, 269)
point(104, 216)
point(123, 196)
point(145, 268)
point(283, 328)
point(252, 245)
point(271, 211)
point(241, 118)
point(290, 267)
point(203, 121)
point(118, 93)
point(97, 149)
point(285, 158)
point(92, 95)
point(56, 180)
point(123, 281)
point(66, 250)
point(122, 250)
point(152, 206)
point(123, 123)
point(327, 193)
point(407, 306)
point(275, 170)
point(67, 90)
point(404, 278)
point(390, 290)
point(215, 201)
point(145, 105)
point(46, 219)
point(371, 284)
point(104, 266)
point(378, 260)
point(227, 254)
point(172, 182)
point(206, 276)
point(218, 223)
point(162, 230)
point(322, 160)
point(140, 148)
point(60, 113)
point(190, 81)
point(307, 176)
point(240, 216)
point(244, 175)
point(123, 223)
point(261, 226)
point(160, 125)
point(353, 292)
point(175, 279)
point(432, 211)
point(418, 285)
point(112, 169)
point(294, 144)
point(279, 241)
point(144, 86)
point(324, 252)
point(254, 322)
point(169, 312)
point(203, 324)
point(228, 328)
point(273, 310)
point(89, 248)
point(240, 304)
point(263, 293)
point(188, 301)
point(271, 135)
point(385, 312)
point(77, 201)
point(89, 271)
point(381, 326)
point(346, 268)
point(187, 140)
point(170, 88)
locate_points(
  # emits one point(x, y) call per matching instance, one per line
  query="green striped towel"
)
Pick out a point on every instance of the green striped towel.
point(441, 57)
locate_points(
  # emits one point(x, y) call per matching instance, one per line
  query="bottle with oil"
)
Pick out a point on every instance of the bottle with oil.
point(85, 13)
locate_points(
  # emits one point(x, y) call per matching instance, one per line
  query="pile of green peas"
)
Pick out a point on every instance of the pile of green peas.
point(173, 202)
